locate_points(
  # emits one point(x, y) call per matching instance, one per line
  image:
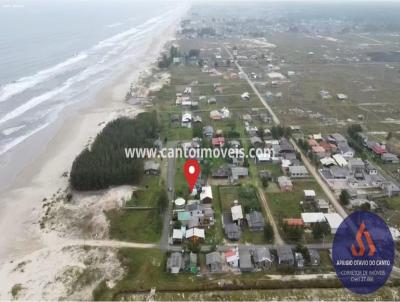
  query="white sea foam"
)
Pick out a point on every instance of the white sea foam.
point(9, 90)
point(4, 148)
point(11, 130)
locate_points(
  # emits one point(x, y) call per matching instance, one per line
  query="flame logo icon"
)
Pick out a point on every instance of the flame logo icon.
point(362, 232)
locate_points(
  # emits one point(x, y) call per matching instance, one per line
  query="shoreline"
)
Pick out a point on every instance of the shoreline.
point(21, 204)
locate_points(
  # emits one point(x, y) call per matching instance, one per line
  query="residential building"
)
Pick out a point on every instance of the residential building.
point(390, 158)
point(255, 221)
point(214, 262)
point(151, 167)
point(262, 257)
point(334, 220)
point(206, 195)
point(245, 263)
point(298, 172)
point(299, 260)
point(285, 255)
point(175, 263)
point(285, 184)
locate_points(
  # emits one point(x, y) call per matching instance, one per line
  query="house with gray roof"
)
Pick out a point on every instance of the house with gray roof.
point(298, 172)
point(245, 263)
point(390, 158)
point(239, 172)
point(214, 262)
point(175, 263)
point(285, 255)
point(232, 231)
point(262, 257)
point(255, 221)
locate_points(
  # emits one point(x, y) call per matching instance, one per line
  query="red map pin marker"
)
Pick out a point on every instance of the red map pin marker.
point(192, 171)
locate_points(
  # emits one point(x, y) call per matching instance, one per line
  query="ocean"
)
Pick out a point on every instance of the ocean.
point(54, 54)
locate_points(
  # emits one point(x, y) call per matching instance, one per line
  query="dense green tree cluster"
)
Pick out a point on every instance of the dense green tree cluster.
point(279, 131)
point(105, 164)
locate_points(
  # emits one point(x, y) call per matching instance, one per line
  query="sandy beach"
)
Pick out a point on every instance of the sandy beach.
point(21, 206)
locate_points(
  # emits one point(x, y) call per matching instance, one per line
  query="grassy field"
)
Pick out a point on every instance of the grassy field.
point(139, 225)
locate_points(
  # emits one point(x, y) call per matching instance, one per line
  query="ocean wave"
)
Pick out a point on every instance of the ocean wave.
point(12, 130)
point(5, 147)
point(9, 90)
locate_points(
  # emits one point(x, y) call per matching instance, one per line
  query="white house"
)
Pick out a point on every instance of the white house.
point(334, 220)
point(186, 120)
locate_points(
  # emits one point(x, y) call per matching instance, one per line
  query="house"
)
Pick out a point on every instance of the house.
point(175, 263)
point(285, 184)
point(150, 167)
point(232, 257)
point(285, 146)
point(328, 161)
point(239, 172)
point(218, 142)
point(334, 220)
point(322, 205)
point(336, 138)
point(186, 120)
point(299, 260)
point(358, 202)
point(215, 115)
point(285, 255)
point(212, 100)
point(356, 164)
point(245, 263)
point(245, 96)
point(340, 160)
point(391, 189)
point(294, 222)
point(206, 195)
point(208, 131)
point(312, 218)
point(262, 257)
point(346, 150)
point(237, 213)
point(265, 174)
point(390, 158)
point(309, 195)
point(370, 168)
point(378, 149)
point(195, 234)
point(298, 172)
point(214, 262)
point(232, 231)
point(177, 236)
point(255, 221)
point(314, 257)
point(341, 97)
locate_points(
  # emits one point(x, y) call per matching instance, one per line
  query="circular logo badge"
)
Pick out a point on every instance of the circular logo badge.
point(363, 252)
